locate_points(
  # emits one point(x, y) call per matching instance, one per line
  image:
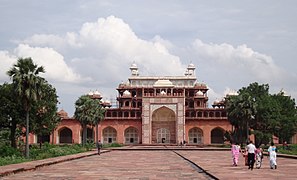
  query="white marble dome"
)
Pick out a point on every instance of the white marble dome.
point(126, 93)
point(97, 93)
point(163, 83)
point(199, 93)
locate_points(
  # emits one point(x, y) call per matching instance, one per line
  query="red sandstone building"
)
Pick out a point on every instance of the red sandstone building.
point(154, 110)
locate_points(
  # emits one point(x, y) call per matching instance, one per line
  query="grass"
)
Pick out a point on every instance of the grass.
point(10, 156)
point(291, 149)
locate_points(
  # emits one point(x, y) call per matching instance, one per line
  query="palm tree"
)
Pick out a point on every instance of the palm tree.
point(241, 112)
point(88, 111)
point(98, 115)
point(234, 116)
point(83, 113)
point(27, 85)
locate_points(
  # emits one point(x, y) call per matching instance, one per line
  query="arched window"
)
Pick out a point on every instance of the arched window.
point(163, 135)
point(138, 114)
point(131, 136)
point(127, 104)
point(218, 114)
point(191, 104)
point(109, 135)
point(139, 104)
point(211, 114)
point(195, 136)
point(198, 103)
point(205, 114)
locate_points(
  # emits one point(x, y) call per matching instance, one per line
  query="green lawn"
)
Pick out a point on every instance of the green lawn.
point(12, 156)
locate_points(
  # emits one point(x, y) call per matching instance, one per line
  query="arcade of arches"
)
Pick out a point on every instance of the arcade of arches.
point(163, 132)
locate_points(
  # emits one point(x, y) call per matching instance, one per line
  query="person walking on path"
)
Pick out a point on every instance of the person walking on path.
point(272, 155)
point(235, 150)
point(259, 156)
point(99, 146)
point(251, 148)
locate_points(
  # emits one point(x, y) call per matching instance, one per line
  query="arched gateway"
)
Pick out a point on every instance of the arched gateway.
point(163, 126)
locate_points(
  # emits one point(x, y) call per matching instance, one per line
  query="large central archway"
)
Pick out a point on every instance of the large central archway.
point(163, 126)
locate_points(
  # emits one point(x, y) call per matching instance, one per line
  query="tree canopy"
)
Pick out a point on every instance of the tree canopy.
point(29, 95)
point(256, 111)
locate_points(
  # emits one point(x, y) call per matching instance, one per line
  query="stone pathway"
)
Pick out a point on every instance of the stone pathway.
point(118, 165)
point(158, 164)
point(219, 164)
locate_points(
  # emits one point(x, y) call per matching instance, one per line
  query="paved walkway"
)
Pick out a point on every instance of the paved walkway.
point(153, 164)
point(219, 164)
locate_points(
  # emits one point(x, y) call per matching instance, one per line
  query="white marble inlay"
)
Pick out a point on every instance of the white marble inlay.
point(157, 106)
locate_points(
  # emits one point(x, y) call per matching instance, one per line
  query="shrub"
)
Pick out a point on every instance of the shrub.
point(11, 160)
point(9, 151)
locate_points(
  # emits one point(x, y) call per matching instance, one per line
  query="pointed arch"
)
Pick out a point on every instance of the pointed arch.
point(217, 136)
point(65, 135)
point(163, 125)
point(131, 135)
point(195, 136)
point(109, 135)
point(163, 135)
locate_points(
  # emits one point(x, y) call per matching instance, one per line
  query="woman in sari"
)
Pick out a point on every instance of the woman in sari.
point(235, 150)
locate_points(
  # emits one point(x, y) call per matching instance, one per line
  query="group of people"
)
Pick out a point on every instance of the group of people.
point(253, 154)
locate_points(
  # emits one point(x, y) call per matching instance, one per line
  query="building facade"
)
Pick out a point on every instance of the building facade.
point(154, 110)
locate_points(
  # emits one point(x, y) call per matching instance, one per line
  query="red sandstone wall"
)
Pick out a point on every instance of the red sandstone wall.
point(120, 126)
point(206, 126)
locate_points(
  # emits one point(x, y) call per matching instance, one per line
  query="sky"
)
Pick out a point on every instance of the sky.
point(89, 45)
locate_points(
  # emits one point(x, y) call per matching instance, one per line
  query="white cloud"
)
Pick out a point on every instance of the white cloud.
point(118, 45)
point(45, 40)
point(99, 54)
point(102, 50)
point(6, 61)
point(240, 60)
point(53, 62)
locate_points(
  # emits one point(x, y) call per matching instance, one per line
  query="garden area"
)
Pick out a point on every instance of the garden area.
point(9, 155)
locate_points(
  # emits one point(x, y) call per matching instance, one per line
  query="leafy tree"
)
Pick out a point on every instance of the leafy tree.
point(11, 112)
point(287, 124)
point(44, 118)
point(27, 84)
point(44, 112)
point(261, 112)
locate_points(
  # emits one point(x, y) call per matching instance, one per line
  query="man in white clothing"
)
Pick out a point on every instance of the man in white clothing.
point(251, 148)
